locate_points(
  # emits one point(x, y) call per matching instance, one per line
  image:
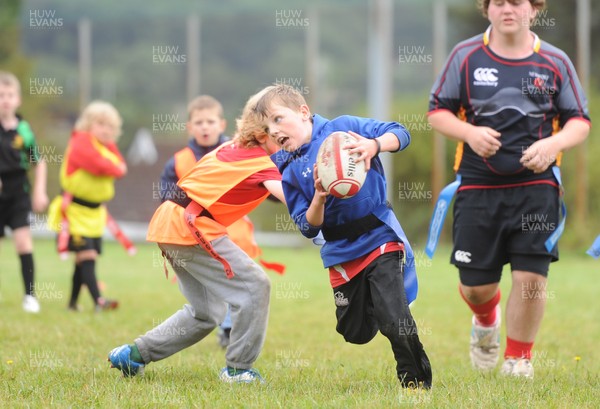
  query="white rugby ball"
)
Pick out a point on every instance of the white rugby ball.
point(340, 174)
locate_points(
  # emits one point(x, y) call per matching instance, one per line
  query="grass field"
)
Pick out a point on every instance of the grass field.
point(58, 358)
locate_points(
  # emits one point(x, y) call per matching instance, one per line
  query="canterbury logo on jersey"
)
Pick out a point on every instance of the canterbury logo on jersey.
point(486, 77)
point(462, 256)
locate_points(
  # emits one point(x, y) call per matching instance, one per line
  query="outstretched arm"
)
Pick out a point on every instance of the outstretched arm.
point(275, 188)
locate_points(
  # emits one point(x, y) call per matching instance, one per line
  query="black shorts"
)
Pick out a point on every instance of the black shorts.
point(14, 212)
point(493, 227)
point(357, 317)
point(375, 300)
point(80, 243)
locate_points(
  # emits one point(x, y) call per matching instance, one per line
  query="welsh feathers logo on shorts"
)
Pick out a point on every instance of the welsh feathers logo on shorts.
point(340, 300)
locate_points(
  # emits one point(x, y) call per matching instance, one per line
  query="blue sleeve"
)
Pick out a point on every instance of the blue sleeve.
point(372, 128)
point(298, 205)
point(168, 181)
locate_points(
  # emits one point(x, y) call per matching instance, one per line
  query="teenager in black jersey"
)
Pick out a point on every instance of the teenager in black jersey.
point(513, 103)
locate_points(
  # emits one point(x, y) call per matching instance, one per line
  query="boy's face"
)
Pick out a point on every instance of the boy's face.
point(205, 125)
point(289, 128)
point(510, 16)
point(10, 100)
point(103, 130)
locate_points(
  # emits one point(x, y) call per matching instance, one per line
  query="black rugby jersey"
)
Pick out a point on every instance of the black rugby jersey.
point(17, 152)
point(523, 99)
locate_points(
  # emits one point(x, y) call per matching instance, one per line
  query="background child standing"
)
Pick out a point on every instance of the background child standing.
point(18, 151)
point(92, 163)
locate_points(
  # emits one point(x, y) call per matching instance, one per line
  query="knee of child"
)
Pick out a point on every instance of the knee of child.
point(263, 285)
point(360, 338)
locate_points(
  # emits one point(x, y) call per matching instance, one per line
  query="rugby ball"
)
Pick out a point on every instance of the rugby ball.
point(338, 170)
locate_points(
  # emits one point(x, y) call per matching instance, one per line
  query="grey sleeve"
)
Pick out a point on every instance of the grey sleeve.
point(571, 100)
point(445, 93)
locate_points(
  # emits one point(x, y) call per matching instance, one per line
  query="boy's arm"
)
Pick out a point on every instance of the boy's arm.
point(85, 156)
point(369, 148)
point(40, 196)
point(315, 215)
point(275, 188)
point(482, 139)
point(543, 152)
point(299, 207)
point(168, 181)
point(574, 120)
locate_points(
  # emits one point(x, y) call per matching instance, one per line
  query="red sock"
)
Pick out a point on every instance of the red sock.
point(517, 349)
point(485, 313)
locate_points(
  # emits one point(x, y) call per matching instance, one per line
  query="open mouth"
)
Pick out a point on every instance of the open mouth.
point(282, 140)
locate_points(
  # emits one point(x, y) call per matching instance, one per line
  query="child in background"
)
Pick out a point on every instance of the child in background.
point(212, 271)
point(370, 262)
point(206, 126)
point(87, 175)
point(18, 151)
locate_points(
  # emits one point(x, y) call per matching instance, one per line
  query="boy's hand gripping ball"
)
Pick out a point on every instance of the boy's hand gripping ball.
point(340, 174)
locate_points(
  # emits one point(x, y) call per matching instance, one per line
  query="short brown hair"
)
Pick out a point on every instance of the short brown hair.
point(204, 102)
point(10, 80)
point(283, 94)
point(251, 129)
point(483, 5)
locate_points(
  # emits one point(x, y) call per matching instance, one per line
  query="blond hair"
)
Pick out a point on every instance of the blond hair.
point(204, 102)
point(8, 79)
point(483, 5)
point(100, 111)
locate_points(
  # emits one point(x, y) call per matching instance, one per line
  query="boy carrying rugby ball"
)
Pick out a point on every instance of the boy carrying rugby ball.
point(370, 261)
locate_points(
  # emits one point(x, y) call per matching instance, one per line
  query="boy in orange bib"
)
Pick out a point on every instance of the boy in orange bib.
point(191, 230)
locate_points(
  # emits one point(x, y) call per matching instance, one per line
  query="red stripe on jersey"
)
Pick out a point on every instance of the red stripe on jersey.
point(251, 188)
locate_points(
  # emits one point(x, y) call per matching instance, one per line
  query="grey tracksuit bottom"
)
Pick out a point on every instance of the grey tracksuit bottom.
point(207, 289)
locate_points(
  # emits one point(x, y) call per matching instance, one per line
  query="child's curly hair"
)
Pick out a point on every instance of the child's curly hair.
point(250, 127)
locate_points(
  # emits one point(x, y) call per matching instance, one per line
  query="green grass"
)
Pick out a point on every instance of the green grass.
point(58, 358)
